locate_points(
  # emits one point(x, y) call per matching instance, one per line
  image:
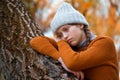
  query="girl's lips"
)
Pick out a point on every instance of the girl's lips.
point(69, 41)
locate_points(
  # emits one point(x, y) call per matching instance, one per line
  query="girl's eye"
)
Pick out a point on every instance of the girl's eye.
point(65, 29)
point(59, 35)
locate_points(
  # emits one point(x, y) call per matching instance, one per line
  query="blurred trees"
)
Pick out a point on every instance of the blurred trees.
point(102, 15)
point(101, 24)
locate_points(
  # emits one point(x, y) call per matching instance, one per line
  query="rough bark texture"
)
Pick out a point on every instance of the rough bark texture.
point(18, 61)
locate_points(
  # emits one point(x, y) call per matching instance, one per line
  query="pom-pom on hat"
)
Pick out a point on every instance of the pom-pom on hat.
point(66, 14)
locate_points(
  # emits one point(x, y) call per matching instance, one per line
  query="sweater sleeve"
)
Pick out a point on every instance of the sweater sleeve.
point(52, 41)
point(45, 46)
point(100, 51)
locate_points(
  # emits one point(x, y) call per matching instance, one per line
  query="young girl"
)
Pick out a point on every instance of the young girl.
point(77, 48)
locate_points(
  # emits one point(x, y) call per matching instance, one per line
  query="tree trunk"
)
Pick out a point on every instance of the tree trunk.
point(18, 61)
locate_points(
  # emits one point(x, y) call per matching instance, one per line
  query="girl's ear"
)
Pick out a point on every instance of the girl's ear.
point(81, 26)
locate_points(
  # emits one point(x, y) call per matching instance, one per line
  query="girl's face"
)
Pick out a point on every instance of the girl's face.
point(72, 34)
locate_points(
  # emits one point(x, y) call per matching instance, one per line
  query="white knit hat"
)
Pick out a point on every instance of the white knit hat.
point(66, 14)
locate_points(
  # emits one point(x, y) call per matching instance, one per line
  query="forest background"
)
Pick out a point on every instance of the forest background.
point(102, 15)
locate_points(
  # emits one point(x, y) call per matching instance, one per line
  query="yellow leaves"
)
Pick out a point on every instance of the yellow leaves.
point(82, 5)
point(111, 18)
point(117, 28)
point(86, 6)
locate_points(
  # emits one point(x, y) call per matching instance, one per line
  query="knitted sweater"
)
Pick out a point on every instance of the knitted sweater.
point(98, 61)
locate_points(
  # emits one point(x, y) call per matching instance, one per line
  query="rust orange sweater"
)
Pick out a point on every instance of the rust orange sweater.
point(45, 45)
point(98, 62)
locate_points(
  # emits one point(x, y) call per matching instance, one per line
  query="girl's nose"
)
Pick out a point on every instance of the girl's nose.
point(65, 36)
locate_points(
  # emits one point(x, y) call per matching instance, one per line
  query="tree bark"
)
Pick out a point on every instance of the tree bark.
point(18, 61)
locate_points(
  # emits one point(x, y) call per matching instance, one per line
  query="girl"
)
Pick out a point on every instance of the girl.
point(77, 48)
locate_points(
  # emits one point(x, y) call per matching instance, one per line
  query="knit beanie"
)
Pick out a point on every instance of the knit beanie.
point(66, 14)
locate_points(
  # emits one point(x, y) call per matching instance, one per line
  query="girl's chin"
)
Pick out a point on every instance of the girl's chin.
point(73, 44)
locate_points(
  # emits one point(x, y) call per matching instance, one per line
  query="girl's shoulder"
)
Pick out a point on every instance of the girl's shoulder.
point(106, 38)
point(103, 40)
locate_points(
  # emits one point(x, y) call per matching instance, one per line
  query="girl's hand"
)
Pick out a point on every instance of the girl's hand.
point(79, 74)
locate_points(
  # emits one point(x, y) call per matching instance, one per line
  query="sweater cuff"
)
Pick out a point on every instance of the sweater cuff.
point(63, 45)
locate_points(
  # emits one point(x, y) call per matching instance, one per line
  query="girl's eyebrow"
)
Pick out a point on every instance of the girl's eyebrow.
point(67, 25)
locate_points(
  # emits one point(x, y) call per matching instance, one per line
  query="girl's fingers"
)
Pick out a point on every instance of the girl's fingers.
point(79, 75)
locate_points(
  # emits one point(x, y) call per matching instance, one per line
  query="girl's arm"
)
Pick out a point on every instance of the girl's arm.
point(52, 41)
point(48, 46)
point(100, 51)
point(45, 46)
point(78, 74)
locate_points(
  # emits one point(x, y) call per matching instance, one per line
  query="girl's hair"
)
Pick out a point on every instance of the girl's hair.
point(88, 35)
